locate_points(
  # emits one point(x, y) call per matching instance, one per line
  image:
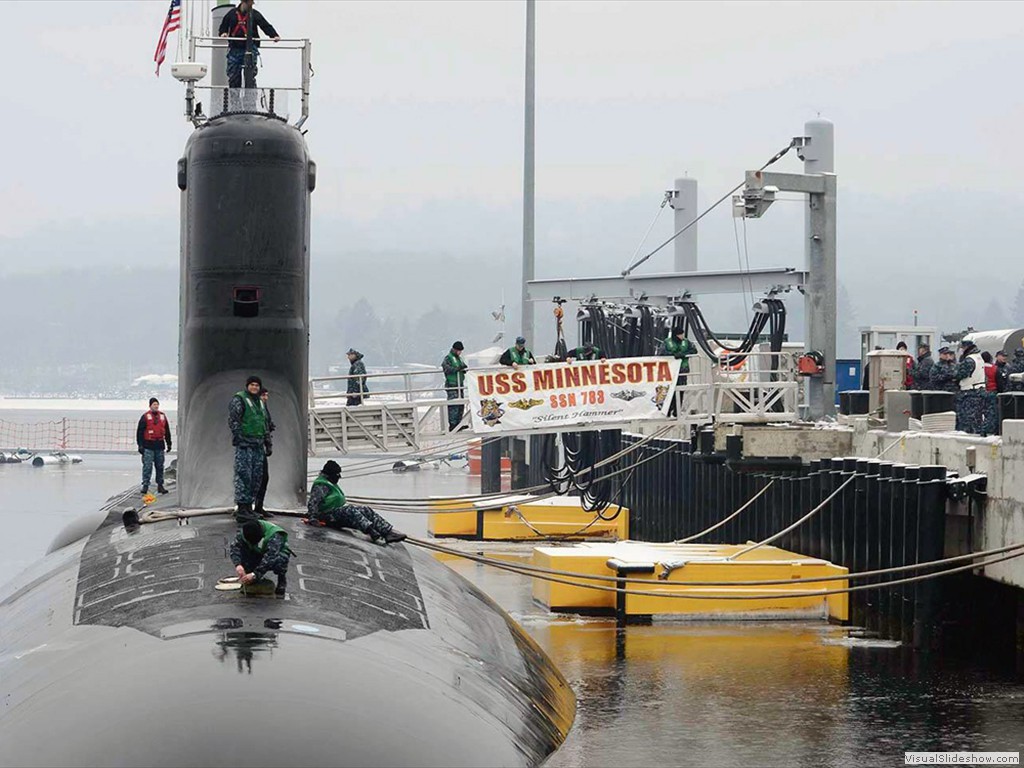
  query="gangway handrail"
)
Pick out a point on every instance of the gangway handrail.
point(413, 372)
point(336, 393)
point(408, 390)
point(764, 392)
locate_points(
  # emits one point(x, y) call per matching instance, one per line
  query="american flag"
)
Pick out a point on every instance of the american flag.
point(171, 23)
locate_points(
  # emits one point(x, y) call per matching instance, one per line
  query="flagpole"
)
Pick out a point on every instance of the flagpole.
point(528, 173)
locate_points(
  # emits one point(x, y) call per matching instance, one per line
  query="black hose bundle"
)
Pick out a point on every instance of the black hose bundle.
point(620, 331)
point(576, 475)
point(773, 313)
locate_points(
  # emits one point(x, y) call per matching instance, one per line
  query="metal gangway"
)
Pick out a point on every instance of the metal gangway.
point(402, 410)
point(408, 409)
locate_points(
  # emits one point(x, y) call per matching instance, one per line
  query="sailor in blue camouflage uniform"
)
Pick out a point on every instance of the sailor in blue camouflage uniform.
point(1016, 365)
point(942, 375)
point(247, 420)
point(327, 506)
point(261, 548)
point(921, 370)
point(971, 403)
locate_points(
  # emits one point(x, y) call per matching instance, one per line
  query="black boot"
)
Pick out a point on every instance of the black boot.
point(161, 489)
point(393, 537)
point(282, 585)
point(262, 513)
point(145, 490)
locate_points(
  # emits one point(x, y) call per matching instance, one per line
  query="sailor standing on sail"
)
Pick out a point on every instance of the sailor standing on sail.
point(268, 449)
point(239, 23)
point(247, 419)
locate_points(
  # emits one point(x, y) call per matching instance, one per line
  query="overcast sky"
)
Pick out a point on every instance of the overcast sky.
point(417, 130)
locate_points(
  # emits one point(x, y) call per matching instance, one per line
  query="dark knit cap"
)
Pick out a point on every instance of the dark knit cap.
point(153, 400)
point(458, 345)
point(252, 532)
point(332, 469)
point(254, 380)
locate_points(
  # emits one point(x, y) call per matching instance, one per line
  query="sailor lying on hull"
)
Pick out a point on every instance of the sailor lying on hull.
point(327, 506)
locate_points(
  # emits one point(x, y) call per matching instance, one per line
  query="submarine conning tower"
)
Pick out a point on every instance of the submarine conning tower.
point(246, 180)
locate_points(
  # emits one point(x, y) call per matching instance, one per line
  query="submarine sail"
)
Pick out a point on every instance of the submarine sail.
point(246, 181)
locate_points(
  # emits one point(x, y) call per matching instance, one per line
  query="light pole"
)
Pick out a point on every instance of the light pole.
point(528, 177)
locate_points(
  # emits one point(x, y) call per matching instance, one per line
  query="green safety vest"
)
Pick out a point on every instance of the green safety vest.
point(254, 418)
point(679, 349)
point(580, 353)
point(520, 358)
point(455, 379)
point(335, 498)
point(269, 529)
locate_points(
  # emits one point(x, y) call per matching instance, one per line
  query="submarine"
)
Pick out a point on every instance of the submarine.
point(116, 648)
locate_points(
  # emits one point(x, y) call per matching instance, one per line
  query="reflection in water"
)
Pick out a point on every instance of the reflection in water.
point(244, 646)
point(756, 693)
point(777, 693)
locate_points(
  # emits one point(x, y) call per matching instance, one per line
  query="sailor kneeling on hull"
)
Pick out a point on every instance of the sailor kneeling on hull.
point(261, 548)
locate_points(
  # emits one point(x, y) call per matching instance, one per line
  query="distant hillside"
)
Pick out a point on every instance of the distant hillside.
point(97, 328)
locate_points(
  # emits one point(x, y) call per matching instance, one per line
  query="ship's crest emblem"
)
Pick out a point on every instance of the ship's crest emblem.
point(491, 412)
point(660, 393)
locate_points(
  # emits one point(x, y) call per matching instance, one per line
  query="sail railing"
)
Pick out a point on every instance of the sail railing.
point(271, 101)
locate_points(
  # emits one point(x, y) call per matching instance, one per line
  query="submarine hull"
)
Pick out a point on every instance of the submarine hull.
point(245, 183)
point(118, 650)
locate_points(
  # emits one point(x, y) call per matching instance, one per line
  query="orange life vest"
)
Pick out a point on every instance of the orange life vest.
point(156, 426)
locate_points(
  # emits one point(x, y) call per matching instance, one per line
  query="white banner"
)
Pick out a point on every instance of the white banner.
point(559, 395)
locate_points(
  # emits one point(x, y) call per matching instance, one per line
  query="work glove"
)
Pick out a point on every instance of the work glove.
point(141, 450)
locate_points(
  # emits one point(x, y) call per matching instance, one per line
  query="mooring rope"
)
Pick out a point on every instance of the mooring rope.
point(538, 573)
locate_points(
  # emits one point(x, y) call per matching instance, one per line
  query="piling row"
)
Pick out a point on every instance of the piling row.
point(889, 515)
